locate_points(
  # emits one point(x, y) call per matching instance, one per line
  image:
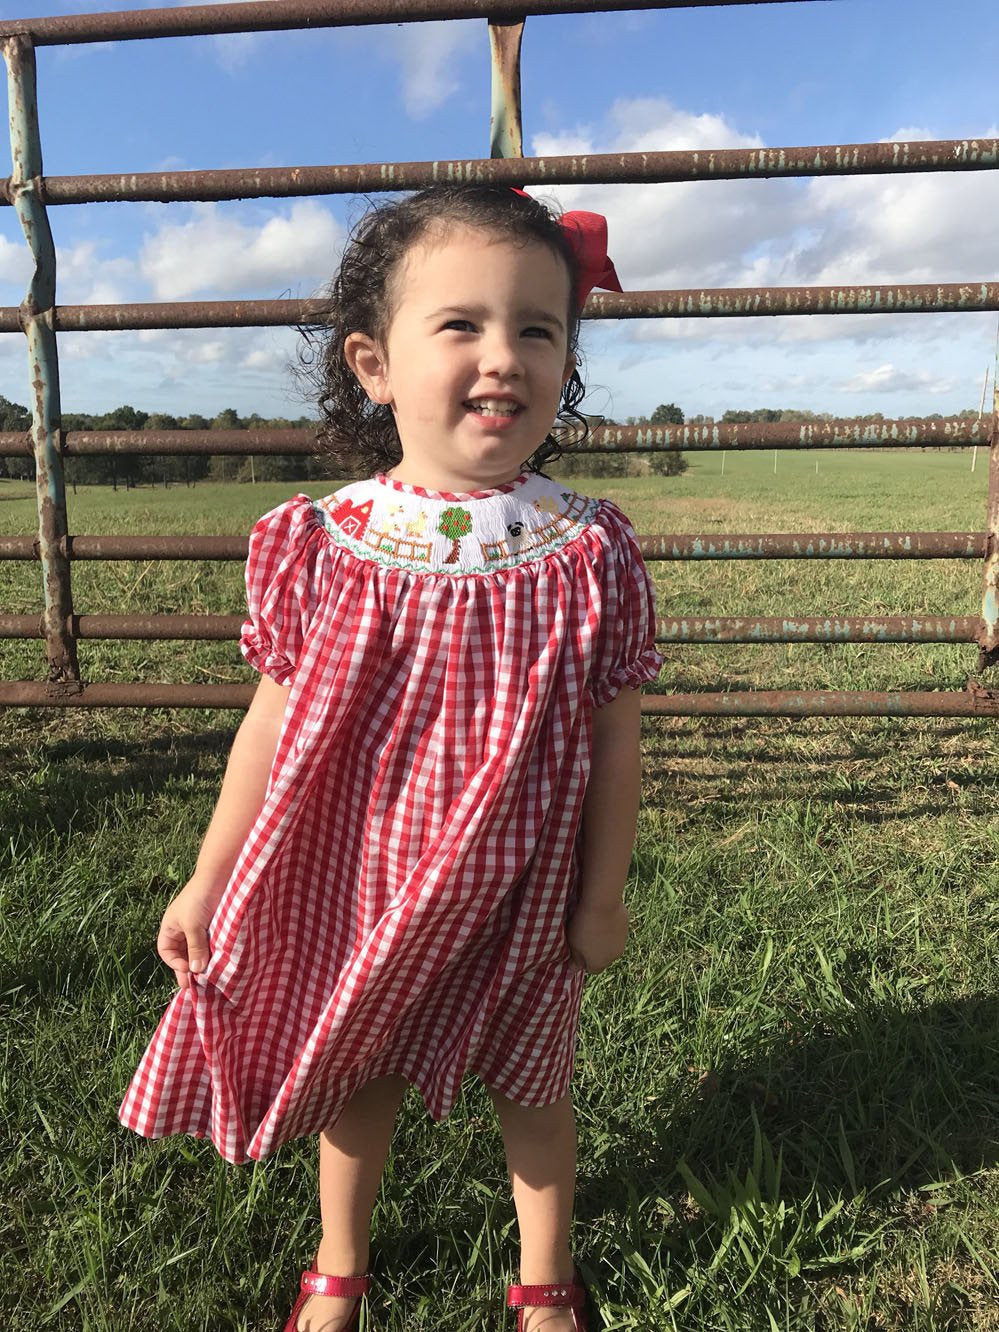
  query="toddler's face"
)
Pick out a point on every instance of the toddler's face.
point(474, 359)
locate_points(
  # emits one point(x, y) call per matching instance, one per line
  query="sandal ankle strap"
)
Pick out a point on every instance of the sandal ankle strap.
point(318, 1283)
point(553, 1295)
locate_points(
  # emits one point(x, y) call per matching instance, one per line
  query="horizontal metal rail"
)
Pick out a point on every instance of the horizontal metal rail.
point(685, 629)
point(32, 694)
point(676, 546)
point(266, 16)
point(948, 432)
point(134, 548)
point(218, 628)
point(943, 431)
point(972, 702)
point(747, 302)
point(702, 164)
point(685, 303)
point(818, 629)
point(813, 546)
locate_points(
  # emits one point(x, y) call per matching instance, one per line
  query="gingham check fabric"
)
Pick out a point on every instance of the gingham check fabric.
point(400, 903)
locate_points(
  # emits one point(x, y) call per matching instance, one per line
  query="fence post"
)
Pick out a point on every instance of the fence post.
point(989, 640)
point(506, 137)
point(37, 319)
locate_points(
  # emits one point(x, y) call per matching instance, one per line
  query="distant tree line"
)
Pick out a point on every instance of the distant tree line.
point(110, 469)
point(627, 464)
point(128, 471)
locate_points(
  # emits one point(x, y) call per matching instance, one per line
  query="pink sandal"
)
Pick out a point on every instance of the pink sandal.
point(556, 1295)
point(316, 1283)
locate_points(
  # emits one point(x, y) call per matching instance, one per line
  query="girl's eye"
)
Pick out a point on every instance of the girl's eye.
point(462, 325)
point(537, 332)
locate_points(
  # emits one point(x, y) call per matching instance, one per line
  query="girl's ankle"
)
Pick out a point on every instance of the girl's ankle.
point(336, 1258)
point(559, 1271)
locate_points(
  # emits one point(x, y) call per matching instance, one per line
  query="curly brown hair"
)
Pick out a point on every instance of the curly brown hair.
point(356, 434)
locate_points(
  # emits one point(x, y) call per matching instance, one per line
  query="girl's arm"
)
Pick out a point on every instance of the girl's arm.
point(183, 937)
point(598, 929)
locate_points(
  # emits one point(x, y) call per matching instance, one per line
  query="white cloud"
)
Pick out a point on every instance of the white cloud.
point(234, 50)
point(431, 58)
point(259, 358)
point(15, 262)
point(889, 379)
point(823, 231)
point(214, 252)
point(84, 277)
point(757, 233)
point(675, 234)
point(206, 353)
point(177, 371)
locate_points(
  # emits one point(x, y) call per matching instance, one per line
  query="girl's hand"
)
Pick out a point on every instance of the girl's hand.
point(597, 935)
point(182, 942)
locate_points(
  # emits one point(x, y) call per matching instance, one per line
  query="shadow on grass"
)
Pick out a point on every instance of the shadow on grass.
point(874, 776)
point(886, 1098)
point(74, 783)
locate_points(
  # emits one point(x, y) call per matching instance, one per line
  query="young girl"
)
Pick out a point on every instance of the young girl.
point(427, 818)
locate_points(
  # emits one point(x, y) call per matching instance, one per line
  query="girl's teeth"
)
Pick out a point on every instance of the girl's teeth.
point(494, 408)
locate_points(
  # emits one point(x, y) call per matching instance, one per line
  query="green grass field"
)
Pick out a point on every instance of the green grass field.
point(788, 1090)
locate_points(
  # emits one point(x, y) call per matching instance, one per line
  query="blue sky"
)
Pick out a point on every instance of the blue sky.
point(820, 71)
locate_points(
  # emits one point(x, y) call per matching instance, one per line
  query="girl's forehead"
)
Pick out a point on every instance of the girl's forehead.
point(466, 254)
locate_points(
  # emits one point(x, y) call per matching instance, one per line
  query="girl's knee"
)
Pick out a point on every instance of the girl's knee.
point(539, 1120)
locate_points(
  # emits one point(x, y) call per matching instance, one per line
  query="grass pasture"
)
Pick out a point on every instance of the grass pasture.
point(788, 1090)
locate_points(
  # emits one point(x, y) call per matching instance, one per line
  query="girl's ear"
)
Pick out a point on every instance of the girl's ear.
point(369, 365)
point(570, 366)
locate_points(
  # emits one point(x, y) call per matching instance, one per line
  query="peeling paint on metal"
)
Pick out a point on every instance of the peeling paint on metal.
point(815, 546)
point(841, 629)
point(36, 316)
point(947, 432)
point(506, 137)
point(988, 638)
point(266, 16)
point(972, 702)
point(593, 168)
point(734, 303)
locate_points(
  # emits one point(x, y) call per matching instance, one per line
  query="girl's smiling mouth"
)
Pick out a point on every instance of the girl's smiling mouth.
point(492, 407)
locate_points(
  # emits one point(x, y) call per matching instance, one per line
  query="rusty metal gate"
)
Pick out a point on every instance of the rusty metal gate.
point(40, 319)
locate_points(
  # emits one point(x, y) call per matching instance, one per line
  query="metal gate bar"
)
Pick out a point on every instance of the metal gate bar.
point(266, 16)
point(847, 159)
point(677, 546)
point(707, 303)
point(949, 432)
point(680, 629)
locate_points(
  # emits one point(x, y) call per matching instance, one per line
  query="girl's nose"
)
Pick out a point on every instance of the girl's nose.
point(500, 355)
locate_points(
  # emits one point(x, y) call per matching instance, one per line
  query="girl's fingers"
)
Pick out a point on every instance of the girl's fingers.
point(172, 948)
point(197, 949)
point(184, 950)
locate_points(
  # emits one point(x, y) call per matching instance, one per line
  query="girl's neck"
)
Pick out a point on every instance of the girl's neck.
point(449, 480)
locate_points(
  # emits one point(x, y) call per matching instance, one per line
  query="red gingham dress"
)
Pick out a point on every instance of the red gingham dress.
point(400, 903)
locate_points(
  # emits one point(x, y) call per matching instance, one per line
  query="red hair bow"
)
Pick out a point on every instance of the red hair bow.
point(587, 237)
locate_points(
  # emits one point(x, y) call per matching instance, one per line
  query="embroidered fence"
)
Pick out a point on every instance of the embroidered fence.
point(39, 318)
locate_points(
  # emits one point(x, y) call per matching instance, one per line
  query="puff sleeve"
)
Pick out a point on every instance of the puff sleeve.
point(625, 655)
point(282, 587)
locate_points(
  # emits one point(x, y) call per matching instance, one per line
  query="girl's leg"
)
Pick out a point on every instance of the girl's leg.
point(540, 1145)
point(351, 1161)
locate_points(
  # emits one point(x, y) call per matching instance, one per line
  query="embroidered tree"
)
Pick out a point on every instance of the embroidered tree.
point(454, 524)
